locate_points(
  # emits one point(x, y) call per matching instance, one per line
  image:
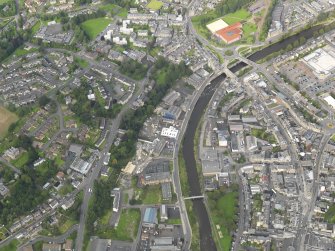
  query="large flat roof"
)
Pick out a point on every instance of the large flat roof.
point(330, 101)
point(321, 61)
point(216, 25)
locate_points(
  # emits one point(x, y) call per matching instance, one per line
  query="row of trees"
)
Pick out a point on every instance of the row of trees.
point(268, 20)
point(11, 39)
point(133, 69)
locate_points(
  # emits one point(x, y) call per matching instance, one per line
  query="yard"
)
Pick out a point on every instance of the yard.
point(21, 160)
point(94, 27)
point(128, 225)
point(6, 119)
point(155, 5)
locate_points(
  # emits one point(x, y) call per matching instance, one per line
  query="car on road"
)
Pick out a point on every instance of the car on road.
point(90, 190)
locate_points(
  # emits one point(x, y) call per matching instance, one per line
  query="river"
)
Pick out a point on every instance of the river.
point(206, 239)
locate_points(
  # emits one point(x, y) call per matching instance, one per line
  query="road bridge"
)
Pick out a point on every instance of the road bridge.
point(194, 197)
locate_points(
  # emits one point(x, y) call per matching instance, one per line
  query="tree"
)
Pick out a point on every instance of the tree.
point(43, 100)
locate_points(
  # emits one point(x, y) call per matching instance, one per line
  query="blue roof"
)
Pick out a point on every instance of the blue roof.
point(150, 215)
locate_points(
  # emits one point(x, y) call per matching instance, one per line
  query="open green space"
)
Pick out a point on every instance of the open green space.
point(330, 214)
point(93, 27)
point(115, 10)
point(12, 246)
point(147, 195)
point(237, 16)
point(3, 233)
point(21, 160)
point(22, 51)
point(6, 119)
point(155, 5)
point(333, 138)
point(81, 62)
point(66, 225)
point(109, 7)
point(128, 225)
point(262, 134)
point(223, 209)
point(105, 219)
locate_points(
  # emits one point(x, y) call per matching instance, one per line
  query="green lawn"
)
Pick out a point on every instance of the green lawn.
point(21, 160)
point(330, 214)
point(109, 7)
point(174, 221)
point(262, 134)
point(128, 225)
point(155, 5)
point(21, 51)
point(222, 211)
point(81, 62)
point(333, 138)
point(94, 26)
point(238, 16)
point(149, 194)
point(66, 225)
point(115, 10)
point(12, 246)
point(105, 219)
point(123, 13)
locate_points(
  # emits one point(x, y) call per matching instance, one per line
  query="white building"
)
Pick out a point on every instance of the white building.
point(170, 132)
point(330, 101)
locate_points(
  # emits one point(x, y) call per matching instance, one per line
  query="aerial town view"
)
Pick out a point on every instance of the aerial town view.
point(166, 125)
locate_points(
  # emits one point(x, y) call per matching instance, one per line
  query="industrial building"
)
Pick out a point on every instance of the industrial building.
point(322, 62)
point(150, 217)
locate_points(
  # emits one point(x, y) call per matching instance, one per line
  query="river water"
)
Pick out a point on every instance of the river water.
point(206, 239)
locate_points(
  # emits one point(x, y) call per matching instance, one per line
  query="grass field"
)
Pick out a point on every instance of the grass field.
point(21, 51)
point(238, 16)
point(128, 225)
point(6, 119)
point(94, 26)
point(12, 246)
point(223, 209)
point(155, 5)
point(109, 7)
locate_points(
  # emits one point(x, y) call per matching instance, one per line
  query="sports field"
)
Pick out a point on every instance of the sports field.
point(6, 119)
point(94, 26)
point(155, 5)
